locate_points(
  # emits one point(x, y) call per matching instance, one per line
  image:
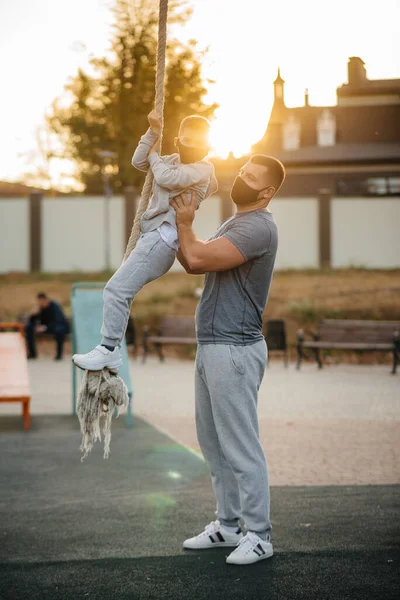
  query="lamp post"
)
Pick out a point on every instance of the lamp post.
point(107, 171)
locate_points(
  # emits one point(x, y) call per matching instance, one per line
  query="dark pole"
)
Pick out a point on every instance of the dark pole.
point(107, 156)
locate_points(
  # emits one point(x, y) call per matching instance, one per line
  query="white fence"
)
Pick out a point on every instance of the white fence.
point(14, 234)
point(297, 221)
point(74, 233)
point(364, 232)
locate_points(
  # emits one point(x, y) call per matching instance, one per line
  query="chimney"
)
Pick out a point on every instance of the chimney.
point(357, 74)
point(306, 97)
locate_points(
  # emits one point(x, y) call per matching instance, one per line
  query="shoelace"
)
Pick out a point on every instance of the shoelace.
point(210, 528)
point(92, 352)
point(250, 538)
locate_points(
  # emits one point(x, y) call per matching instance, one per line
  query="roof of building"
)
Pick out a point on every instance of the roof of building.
point(354, 125)
point(278, 77)
point(359, 122)
point(342, 153)
point(15, 189)
point(9, 188)
point(370, 87)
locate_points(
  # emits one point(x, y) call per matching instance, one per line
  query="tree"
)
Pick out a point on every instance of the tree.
point(38, 161)
point(43, 169)
point(108, 111)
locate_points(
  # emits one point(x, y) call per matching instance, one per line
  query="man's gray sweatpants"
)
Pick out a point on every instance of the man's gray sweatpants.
point(227, 381)
point(150, 259)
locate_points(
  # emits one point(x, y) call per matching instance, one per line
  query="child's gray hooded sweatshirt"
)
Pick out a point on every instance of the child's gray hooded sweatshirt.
point(171, 178)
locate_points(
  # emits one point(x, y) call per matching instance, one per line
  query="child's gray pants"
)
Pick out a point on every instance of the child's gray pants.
point(150, 259)
point(227, 380)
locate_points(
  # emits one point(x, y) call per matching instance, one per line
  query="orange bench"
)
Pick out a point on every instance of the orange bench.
point(14, 378)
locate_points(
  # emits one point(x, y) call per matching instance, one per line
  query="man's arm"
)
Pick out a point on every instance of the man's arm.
point(215, 255)
point(57, 316)
point(185, 264)
point(41, 327)
point(203, 257)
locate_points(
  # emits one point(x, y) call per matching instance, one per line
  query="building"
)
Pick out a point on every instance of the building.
point(9, 189)
point(351, 148)
point(340, 203)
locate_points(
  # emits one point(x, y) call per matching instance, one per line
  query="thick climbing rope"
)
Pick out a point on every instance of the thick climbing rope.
point(159, 108)
point(102, 392)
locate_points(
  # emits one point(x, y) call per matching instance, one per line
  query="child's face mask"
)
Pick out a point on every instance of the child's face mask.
point(190, 154)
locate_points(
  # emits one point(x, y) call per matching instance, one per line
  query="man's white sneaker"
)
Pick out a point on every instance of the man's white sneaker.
point(213, 535)
point(98, 358)
point(251, 549)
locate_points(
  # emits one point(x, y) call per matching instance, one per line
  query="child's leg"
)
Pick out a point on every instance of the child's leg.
point(150, 259)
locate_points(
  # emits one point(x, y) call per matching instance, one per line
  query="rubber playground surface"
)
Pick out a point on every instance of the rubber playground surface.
point(113, 529)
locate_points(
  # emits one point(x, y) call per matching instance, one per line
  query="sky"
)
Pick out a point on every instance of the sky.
point(43, 42)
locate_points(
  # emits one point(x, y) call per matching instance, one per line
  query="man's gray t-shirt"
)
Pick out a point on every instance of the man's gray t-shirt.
point(232, 303)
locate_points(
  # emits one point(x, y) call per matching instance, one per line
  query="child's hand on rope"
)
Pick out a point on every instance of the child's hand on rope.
point(155, 122)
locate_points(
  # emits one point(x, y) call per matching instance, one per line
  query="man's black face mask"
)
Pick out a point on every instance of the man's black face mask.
point(190, 155)
point(242, 193)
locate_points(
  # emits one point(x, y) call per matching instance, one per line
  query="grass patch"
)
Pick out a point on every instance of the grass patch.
point(307, 312)
point(302, 298)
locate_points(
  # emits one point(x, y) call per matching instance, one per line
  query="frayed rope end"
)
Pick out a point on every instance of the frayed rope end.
point(101, 393)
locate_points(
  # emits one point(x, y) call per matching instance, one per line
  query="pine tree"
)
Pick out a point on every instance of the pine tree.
point(109, 110)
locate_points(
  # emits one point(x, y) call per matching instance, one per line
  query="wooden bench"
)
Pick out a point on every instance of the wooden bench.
point(181, 330)
point(274, 331)
point(172, 330)
point(335, 334)
point(14, 378)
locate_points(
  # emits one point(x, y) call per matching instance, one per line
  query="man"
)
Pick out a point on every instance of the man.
point(49, 318)
point(231, 356)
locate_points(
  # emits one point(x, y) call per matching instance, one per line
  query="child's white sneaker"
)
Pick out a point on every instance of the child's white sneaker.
point(98, 358)
point(213, 535)
point(251, 549)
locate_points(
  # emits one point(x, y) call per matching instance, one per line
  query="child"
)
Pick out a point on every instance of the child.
point(156, 248)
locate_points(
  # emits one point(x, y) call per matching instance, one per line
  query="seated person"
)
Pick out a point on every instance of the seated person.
point(49, 318)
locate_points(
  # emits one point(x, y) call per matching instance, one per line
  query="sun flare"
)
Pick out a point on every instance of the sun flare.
point(246, 44)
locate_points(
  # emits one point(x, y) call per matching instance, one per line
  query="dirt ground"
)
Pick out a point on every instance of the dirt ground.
point(302, 298)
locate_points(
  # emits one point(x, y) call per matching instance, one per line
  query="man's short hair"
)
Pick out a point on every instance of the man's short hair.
point(41, 296)
point(200, 124)
point(276, 170)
